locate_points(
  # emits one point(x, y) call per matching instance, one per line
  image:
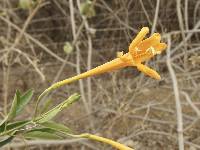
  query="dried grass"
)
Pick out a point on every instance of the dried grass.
point(124, 105)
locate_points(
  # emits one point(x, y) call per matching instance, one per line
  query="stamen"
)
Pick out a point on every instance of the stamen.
point(152, 50)
point(137, 49)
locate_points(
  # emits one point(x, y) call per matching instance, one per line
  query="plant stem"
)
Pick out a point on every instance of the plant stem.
point(109, 66)
point(104, 140)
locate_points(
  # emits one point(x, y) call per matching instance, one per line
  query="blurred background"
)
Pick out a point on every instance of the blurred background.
point(42, 42)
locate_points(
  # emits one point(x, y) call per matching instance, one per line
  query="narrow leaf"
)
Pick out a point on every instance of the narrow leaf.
point(43, 133)
point(13, 109)
point(16, 125)
point(12, 128)
point(56, 126)
point(3, 124)
point(53, 112)
point(47, 105)
point(48, 116)
point(24, 99)
point(6, 141)
point(19, 102)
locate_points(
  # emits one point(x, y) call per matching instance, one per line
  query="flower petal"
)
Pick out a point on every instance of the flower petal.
point(152, 73)
point(151, 41)
point(138, 39)
point(160, 47)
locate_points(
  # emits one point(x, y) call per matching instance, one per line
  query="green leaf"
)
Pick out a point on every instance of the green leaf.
point(87, 9)
point(48, 116)
point(16, 125)
point(56, 126)
point(3, 124)
point(13, 109)
point(19, 103)
point(12, 128)
point(3, 121)
point(6, 141)
point(68, 48)
point(42, 130)
point(47, 105)
point(53, 112)
point(24, 99)
point(42, 133)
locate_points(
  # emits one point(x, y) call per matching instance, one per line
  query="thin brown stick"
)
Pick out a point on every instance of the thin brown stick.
point(177, 99)
point(78, 56)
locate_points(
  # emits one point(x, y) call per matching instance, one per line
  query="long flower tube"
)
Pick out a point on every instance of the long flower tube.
point(139, 51)
point(116, 145)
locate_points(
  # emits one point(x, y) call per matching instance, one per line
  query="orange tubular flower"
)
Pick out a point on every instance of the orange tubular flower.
point(139, 51)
